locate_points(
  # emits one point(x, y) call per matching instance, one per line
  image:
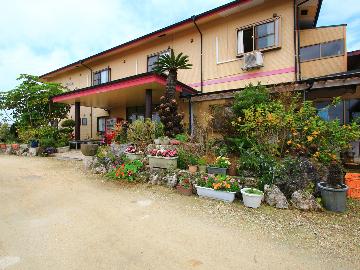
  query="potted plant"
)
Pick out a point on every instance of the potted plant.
point(202, 165)
point(132, 153)
point(192, 161)
point(163, 158)
point(333, 191)
point(89, 149)
point(220, 167)
point(158, 132)
point(252, 197)
point(164, 140)
point(185, 187)
point(219, 187)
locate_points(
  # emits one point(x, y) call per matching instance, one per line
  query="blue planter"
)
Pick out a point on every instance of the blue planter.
point(34, 144)
point(216, 170)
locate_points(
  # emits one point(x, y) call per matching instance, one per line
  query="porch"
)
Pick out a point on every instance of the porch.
point(130, 98)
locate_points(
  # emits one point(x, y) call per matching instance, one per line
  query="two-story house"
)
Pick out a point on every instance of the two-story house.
point(273, 42)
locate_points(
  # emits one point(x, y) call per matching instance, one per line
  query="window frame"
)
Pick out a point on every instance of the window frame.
point(98, 73)
point(277, 35)
point(82, 121)
point(321, 57)
point(157, 54)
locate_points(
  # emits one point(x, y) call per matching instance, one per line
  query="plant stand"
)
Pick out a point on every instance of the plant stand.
point(225, 196)
point(163, 162)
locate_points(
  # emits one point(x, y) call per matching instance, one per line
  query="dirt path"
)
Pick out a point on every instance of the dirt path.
point(53, 216)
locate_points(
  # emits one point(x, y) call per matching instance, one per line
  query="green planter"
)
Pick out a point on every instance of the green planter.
point(163, 162)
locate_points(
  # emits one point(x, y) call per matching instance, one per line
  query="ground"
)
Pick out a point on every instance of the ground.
point(55, 216)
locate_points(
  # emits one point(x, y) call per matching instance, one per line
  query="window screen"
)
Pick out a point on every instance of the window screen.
point(102, 76)
point(151, 62)
point(265, 35)
point(310, 52)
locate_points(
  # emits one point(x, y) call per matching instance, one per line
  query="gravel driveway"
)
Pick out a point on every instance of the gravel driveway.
point(54, 216)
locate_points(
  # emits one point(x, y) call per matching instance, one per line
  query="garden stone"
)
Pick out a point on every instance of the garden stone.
point(118, 149)
point(274, 197)
point(171, 180)
point(303, 200)
point(99, 169)
point(88, 162)
point(156, 176)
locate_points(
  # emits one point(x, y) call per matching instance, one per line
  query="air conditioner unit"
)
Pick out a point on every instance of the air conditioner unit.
point(253, 60)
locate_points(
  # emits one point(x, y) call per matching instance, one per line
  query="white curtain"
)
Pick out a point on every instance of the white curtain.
point(240, 47)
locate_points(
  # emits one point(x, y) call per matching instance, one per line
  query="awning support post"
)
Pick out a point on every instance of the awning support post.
point(148, 103)
point(77, 121)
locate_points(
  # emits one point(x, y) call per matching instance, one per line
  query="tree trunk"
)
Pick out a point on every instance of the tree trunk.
point(171, 85)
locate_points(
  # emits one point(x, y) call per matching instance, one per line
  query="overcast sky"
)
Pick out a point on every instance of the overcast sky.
point(37, 36)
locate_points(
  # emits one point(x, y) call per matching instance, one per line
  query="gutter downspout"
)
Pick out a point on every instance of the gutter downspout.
point(91, 108)
point(298, 36)
point(201, 53)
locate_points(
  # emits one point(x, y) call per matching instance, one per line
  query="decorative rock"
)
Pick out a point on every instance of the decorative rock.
point(156, 176)
point(99, 169)
point(171, 180)
point(305, 201)
point(88, 162)
point(274, 197)
point(118, 149)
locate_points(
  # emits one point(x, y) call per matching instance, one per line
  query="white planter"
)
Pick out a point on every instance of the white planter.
point(251, 200)
point(225, 196)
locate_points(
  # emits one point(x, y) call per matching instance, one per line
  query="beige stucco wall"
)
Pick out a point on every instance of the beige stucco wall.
point(324, 66)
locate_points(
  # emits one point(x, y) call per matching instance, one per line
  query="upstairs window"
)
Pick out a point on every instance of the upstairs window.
point(101, 76)
point(323, 50)
point(152, 59)
point(258, 37)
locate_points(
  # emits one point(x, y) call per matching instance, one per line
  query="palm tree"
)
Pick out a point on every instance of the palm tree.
point(168, 110)
point(171, 64)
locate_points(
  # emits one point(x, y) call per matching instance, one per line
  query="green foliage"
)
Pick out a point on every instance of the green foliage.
point(186, 158)
point(285, 125)
point(29, 102)
point(251, 96)
point(5, 134)
point(182, 137)
point(254, 191)
point(172, 62)
point(68, 123)
point(48, 136)
point(141, 133)
point(222, 162)
point(202, 161)
point(335, 175)
point(159, 130)
point(126, 171)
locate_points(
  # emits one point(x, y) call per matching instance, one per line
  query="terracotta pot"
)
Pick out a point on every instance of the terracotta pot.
point(233, 171)
point(185, 191)
point(15, 146)
point(193, 168)
point(3, 146)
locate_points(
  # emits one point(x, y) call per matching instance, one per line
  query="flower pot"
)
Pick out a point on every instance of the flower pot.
point(202, 168)
point(3, 146)
point(334, 199)
point(157, 141)
point(15, 146)
point(216, 170)
point(134, 156)
point(193, 168)
point(251, 200)
point(89, 149)
point(221, 195)
point(162, 162)
point(185, 191)
point(34, 144)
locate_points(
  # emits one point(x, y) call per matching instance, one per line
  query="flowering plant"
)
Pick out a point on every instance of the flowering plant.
point(222, 162)
point(127, 171)
point(163, 153)
point(185, 182)
point(219, 182)
point(132, 150)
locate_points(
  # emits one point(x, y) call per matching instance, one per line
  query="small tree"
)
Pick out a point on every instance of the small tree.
point(30, 104)
point(168, 110)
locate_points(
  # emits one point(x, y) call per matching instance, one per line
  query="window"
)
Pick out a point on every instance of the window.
point(258, 37)
point(328, 112)
point(84, 121)
point(152, 59)
point(323, 50)
point(102, 76)
point(101, 124)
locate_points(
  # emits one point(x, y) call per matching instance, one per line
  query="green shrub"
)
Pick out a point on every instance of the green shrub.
point(159, 130)
point(5, 134)
point(126, 171)
point(141, 133)
point(182, 137)
point(68, 123)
